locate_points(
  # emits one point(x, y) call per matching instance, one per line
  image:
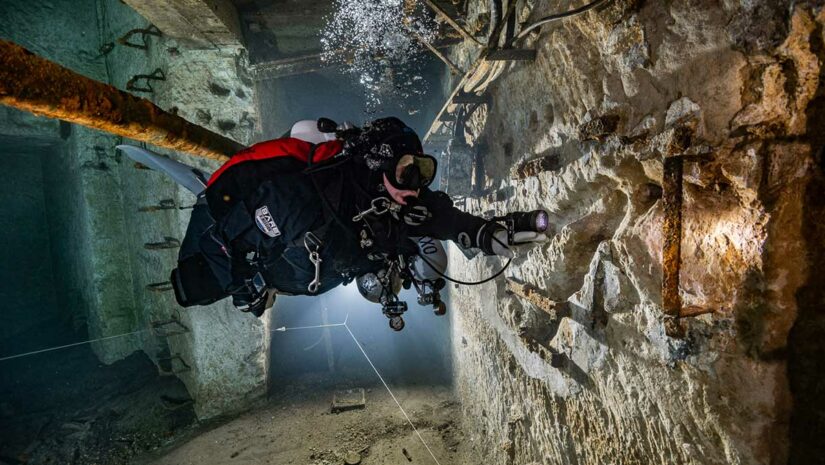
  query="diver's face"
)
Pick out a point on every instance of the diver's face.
point(398, 195)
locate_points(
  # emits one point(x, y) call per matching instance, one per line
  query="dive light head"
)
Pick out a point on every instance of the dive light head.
point(536, 220)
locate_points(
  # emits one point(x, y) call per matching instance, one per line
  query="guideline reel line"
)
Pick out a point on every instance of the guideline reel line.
point(372, 365)
point(35, 352)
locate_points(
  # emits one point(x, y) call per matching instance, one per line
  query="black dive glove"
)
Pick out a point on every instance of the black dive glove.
point(250, 297)
point(415, 213)
point(248, 303)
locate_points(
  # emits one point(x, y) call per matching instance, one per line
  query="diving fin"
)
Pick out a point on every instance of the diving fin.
point(193, 179)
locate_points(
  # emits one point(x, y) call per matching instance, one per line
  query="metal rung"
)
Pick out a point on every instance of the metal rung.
point(168, 328)
point(168, 243)
point(159, 287)
point(165, 204)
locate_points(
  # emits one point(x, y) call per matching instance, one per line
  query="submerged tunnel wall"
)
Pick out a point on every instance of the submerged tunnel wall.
point(581, 132)
point(28, 295)
point(102, 210)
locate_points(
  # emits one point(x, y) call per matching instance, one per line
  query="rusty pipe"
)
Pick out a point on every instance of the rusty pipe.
point(31, 83)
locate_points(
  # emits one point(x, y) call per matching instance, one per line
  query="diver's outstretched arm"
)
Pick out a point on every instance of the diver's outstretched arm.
point(440, 219)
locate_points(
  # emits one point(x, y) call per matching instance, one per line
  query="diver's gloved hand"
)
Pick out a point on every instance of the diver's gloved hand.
point(414, 213)
point(250, 303)
point(251, 296)
point(493, 239)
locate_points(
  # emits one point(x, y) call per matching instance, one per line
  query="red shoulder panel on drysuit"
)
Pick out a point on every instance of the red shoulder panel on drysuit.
point(284, 147)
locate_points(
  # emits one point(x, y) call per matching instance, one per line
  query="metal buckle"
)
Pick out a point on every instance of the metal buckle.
point(378, 206)
point(313, 244)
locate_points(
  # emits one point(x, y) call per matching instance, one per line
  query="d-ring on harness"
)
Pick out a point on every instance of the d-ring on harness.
point(313, 245)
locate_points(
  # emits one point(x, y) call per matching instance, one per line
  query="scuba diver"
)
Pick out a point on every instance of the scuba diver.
point(322, 206)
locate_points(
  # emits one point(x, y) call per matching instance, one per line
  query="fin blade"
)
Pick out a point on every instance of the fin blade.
point(191, 178)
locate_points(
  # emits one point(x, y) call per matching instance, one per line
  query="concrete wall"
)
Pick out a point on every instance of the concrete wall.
point(104, 266)
point(744, 78)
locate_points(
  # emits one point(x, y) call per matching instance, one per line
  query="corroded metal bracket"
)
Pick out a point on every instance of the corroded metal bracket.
point(672, 244)
point(554, 309)
point(31, 83)
point(533, 295)
point(672, 183)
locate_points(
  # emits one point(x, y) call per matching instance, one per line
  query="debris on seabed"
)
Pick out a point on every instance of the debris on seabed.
point(348, 399)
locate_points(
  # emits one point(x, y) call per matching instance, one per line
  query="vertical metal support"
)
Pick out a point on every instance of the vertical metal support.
point(672, 244)
point(31, 83)
point(453, 23)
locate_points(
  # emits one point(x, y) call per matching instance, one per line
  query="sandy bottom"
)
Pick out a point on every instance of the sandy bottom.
point(296, 427)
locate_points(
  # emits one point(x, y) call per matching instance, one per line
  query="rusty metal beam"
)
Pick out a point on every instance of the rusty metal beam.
point(34, 84)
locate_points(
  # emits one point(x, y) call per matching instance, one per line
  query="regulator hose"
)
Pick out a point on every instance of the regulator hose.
point(465, 283)
point(468, 283)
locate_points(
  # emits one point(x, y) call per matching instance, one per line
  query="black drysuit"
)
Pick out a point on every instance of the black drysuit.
point(229, 242)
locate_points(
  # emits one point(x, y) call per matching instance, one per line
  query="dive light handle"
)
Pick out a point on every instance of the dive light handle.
point(536, 221)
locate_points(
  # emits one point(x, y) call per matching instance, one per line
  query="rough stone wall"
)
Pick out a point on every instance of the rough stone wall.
point(611, 94)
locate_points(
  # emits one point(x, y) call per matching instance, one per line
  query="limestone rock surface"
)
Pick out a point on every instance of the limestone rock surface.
point(582, 132)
